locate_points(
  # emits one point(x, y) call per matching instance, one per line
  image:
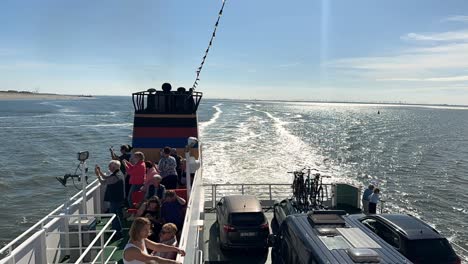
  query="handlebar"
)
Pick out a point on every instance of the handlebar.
point(71, 175)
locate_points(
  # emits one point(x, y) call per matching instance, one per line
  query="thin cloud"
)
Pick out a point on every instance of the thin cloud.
point(438, 63)
point(7, 52)
point(461, 35)
point(434, 79)
point(457, 19)
point(289, 65)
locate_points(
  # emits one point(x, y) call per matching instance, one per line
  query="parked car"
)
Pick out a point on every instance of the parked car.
point(241, 222)
point(415, 239)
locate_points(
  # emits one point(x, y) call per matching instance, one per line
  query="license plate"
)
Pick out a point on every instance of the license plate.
point(248, 234)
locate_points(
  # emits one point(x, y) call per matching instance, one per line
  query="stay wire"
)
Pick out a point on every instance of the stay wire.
point(197, 78)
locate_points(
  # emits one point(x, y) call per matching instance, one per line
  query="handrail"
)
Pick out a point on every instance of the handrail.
point(460, 247)
point(268, 190)
point(191, 216)
point(98, 235)
point(88, 248)
point(10, 245)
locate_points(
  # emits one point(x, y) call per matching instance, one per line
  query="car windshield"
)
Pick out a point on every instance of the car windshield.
point(247, 219)
point(430, 249)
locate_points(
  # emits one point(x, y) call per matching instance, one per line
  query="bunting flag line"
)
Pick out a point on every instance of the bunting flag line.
point(199, 69)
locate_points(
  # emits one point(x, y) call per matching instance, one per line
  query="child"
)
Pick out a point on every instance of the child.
point(373, 200)
point(167, 236)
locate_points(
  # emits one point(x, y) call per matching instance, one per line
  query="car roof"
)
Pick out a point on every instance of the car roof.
point(242, 204)
point(410, 226)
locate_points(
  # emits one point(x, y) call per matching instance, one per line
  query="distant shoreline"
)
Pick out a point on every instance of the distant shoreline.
point(344, 102)
point(13, 95)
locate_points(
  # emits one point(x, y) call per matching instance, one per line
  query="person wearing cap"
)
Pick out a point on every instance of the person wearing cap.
point(365, 198)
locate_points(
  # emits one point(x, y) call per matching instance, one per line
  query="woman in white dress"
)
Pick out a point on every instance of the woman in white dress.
point(136, 252)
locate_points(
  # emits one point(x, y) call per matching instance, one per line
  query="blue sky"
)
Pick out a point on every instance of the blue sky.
point(400, 50)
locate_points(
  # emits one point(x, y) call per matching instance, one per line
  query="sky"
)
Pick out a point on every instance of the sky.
point(377, 51)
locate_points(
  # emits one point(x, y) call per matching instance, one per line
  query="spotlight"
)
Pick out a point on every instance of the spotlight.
point(83, 155)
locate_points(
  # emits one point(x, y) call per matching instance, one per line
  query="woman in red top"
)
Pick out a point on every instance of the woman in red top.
point(137, 173)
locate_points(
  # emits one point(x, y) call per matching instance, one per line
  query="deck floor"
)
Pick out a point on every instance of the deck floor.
point(213, 253)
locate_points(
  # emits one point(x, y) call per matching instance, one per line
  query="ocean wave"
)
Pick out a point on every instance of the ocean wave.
point(213, 119)
point(61, 126)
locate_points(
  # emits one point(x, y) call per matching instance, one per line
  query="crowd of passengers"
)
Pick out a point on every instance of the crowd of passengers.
point(160, 215)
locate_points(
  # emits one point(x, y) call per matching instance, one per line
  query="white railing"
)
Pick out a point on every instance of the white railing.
point(98, 235)
point(266, 193)
point(45, 241)
point(75, 199)
point(193, 222)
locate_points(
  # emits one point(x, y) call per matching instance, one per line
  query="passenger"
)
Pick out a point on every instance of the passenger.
point(183, 175)
point(135, 252)
point(137, 173)
point(151, 209)
point(151, 170)
point(178, 164)
point(167, 236)
point(114, 192)
point(172, 209)
point(193, 163)
point(167, 169)
point(373, 200)
point(125, 150)
point(365, 198)
point(153, 187)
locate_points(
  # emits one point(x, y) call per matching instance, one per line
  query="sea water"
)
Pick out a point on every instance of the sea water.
point(417, 155)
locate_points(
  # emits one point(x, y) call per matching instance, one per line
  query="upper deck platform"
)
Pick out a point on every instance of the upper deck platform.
point(167, 101)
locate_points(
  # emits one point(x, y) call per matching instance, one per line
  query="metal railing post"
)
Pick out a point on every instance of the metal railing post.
point(80, 240)
point(382, 203)
point(242, 186)
point(102, 247)
point(269, 187)
point(213, 195)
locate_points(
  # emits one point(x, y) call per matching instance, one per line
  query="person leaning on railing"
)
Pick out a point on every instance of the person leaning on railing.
point(365, 198)
point(193, 163)
point(373, 200)
point(167, 236)
point(135, 252)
